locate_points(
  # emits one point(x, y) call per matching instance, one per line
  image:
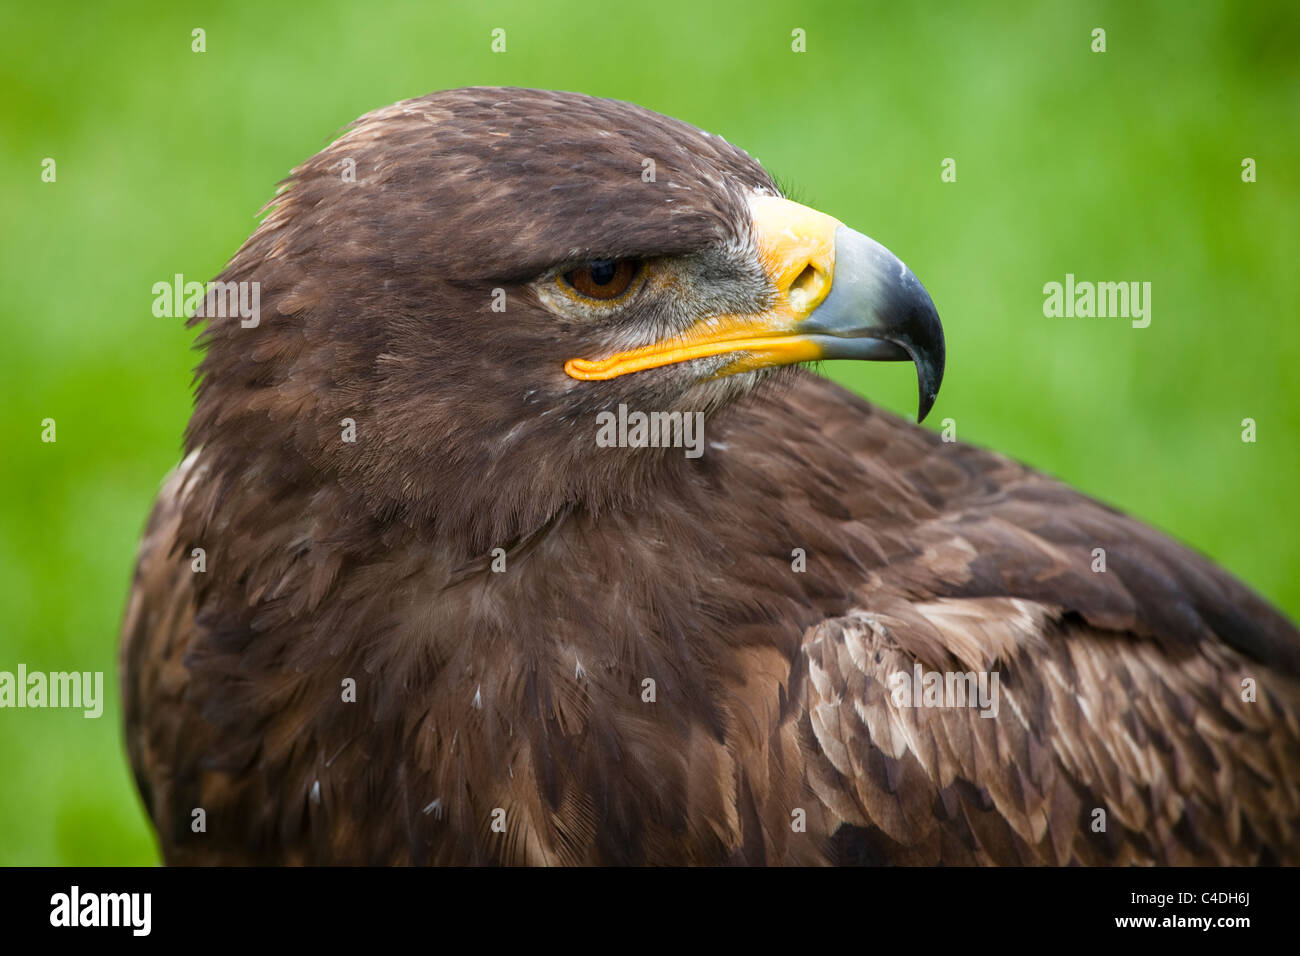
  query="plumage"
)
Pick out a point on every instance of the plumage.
point(501, 712)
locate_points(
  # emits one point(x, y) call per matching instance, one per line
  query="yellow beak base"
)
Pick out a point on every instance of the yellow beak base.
point(796, 247)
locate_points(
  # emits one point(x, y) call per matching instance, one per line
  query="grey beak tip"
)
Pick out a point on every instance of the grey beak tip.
point(879, 310)
point(926, 347)
point(929, 376)
point(926, 401)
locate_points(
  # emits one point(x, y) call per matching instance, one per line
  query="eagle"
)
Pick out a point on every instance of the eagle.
point(399, 604)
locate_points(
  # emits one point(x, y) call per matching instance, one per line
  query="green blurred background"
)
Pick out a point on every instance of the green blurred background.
point(1124, 165)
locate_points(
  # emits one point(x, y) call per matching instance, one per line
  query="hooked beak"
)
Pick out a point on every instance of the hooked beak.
point(838, 295)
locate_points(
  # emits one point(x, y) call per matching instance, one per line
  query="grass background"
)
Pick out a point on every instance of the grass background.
point(1117, 166)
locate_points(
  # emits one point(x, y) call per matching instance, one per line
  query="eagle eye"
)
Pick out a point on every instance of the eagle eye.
point(603, 279)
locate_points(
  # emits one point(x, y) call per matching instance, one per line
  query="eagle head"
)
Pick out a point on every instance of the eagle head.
point(471, 278)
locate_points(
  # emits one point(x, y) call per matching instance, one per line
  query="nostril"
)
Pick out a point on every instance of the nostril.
point(804, 287)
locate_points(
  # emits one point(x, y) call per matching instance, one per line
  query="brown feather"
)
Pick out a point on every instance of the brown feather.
point(499, 717)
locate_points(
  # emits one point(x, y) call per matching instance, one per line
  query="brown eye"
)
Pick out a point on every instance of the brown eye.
point(603, 279)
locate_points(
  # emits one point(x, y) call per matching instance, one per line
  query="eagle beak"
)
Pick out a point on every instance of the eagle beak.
point(837, 294)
